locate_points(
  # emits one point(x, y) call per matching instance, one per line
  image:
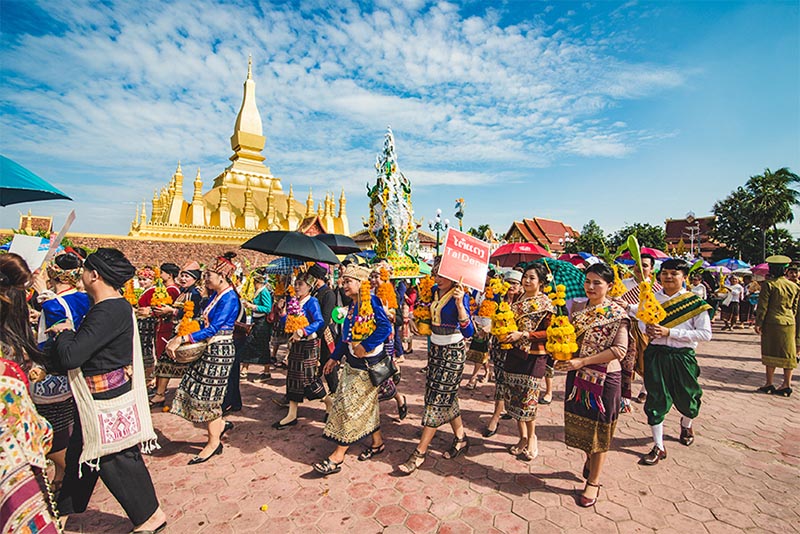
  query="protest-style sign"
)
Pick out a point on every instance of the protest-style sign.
point(465, 259)
point(55, 243)
point(32, 248)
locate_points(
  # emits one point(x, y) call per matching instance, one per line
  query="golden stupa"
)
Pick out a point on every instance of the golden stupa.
point(246, 198)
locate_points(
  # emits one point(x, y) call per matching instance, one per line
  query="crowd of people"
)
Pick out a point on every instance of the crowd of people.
point(86, 354)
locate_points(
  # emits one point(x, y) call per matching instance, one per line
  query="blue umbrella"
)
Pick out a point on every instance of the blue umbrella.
point(282, 266)
point(18, 184)
point(732, 264)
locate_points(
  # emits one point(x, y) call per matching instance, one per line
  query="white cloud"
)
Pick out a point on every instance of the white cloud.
point(127, 89)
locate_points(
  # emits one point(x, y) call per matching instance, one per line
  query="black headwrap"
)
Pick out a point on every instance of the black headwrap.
point(171, 269)
point(318, 271)
point(111, 265)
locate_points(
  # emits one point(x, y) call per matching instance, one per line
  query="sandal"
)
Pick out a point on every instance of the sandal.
point(158, 404)
point(414, 461)
point(402, 411)
point(585, 502)
point(516, 450)
point(527, 455)
point(369, 452)
point(470, 385)
point(327, 467)
point(454, 452)
point(770, 389)
point(545, 400)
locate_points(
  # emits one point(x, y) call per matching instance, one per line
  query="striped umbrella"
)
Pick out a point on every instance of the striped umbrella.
point(282, 266)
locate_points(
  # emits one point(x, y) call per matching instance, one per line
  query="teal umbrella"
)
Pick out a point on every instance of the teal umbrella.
point(18, 184)
point(566, 273)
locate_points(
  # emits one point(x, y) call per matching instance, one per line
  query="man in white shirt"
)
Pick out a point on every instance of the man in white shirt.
point(670, 365)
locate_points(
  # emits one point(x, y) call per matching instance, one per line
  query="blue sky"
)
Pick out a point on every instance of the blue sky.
point(620, 112)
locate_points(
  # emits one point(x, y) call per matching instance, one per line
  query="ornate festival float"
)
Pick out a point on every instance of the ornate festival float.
point(391, 222)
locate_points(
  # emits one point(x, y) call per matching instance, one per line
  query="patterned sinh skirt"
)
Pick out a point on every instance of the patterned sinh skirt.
point(498, 357)
point(61, 416)
point(520, 387)
point(302, 381)
point(445, 367)
point(586, 428)
point(478, 350)
point(199, 397)
point(256, 349)
point(147, 336)
point(355, 411)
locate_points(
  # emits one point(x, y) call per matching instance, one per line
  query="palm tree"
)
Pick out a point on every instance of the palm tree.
point(773, 199)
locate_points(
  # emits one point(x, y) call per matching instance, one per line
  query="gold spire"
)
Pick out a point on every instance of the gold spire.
point(309, 205)
point(342, 203)
point(250, 66)
point(143, 219)
point(271, 214)
point(248, 138)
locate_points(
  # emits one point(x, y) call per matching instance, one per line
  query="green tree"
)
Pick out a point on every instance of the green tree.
point(773, 198)
point(647, 235)
point(591, 240)
point(480, 231)
point(734, 230)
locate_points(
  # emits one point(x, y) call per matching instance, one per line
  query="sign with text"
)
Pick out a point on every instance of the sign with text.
point(465, 259)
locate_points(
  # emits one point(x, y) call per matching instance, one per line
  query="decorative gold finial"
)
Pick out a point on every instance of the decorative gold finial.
point(250, 66)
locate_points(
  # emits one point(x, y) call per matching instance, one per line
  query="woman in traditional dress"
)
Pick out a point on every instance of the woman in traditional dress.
point(526, 362)
point(145, 318)
point(498, 357)
point(106, 374)
point(388, 390)
point(478, 351)
point(594, 379)
point(60, 301)
point(166, 367)
point(302, 380)
point(23, 478)
point(450, 325)
point(163, 313)
point(355, 412)
point(202, 390)
point(256, 349)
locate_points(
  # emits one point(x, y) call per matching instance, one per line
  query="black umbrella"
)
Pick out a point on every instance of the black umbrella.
point(339, 243)
point(291, 245)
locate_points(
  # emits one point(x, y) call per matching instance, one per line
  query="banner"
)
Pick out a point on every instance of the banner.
point(465, 259)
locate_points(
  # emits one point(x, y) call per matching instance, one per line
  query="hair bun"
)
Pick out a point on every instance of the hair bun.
point(68, 261)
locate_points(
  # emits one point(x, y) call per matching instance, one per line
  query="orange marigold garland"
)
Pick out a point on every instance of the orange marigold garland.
point(187, 324)
point(422, 311)
point(386, 291)
point(295, 318)
point(130, 293)
point(364, 323)
point(503, 323)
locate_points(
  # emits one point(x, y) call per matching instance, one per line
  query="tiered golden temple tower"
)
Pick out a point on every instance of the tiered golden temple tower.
point(246, 198)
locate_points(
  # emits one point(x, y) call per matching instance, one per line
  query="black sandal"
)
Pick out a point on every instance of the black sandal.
point(327, 467)
point(783, 392)
point(766, 389)
point(369, 452)
point(402, 411)
point(454, 452)
point(414, 461)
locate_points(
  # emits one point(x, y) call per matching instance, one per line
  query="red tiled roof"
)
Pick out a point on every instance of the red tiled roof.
point(544, 232)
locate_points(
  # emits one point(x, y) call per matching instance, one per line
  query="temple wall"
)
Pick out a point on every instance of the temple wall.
point(145, 252)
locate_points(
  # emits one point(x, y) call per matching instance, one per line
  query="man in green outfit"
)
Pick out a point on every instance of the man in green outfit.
point(670, 365)
point(776, 318)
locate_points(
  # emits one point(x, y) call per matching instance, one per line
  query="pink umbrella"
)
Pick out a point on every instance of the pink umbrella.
point(513, 253)
point(657, 254)
point(762, 269)
point(574, 259)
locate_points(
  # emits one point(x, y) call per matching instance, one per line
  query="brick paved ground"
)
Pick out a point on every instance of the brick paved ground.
point(741, 475)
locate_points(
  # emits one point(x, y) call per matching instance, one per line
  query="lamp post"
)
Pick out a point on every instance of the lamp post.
point(694, 231)
point(438, 225)
point(565, 241)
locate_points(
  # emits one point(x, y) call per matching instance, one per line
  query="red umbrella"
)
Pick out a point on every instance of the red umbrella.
point(574, 259)
point(513, 253)
point(657, 254)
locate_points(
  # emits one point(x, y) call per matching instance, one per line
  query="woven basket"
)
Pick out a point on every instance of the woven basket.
point(190, 352)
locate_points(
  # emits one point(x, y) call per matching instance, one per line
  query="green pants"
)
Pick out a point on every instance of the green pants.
point(670, 377)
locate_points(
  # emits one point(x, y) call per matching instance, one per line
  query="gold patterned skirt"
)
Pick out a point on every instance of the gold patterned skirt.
point(587, 428)
point(355, 411)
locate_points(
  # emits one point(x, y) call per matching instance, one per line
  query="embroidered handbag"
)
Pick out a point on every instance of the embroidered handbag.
point(381, 371)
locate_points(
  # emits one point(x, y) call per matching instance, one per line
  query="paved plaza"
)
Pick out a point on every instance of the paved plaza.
point(740, 475)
